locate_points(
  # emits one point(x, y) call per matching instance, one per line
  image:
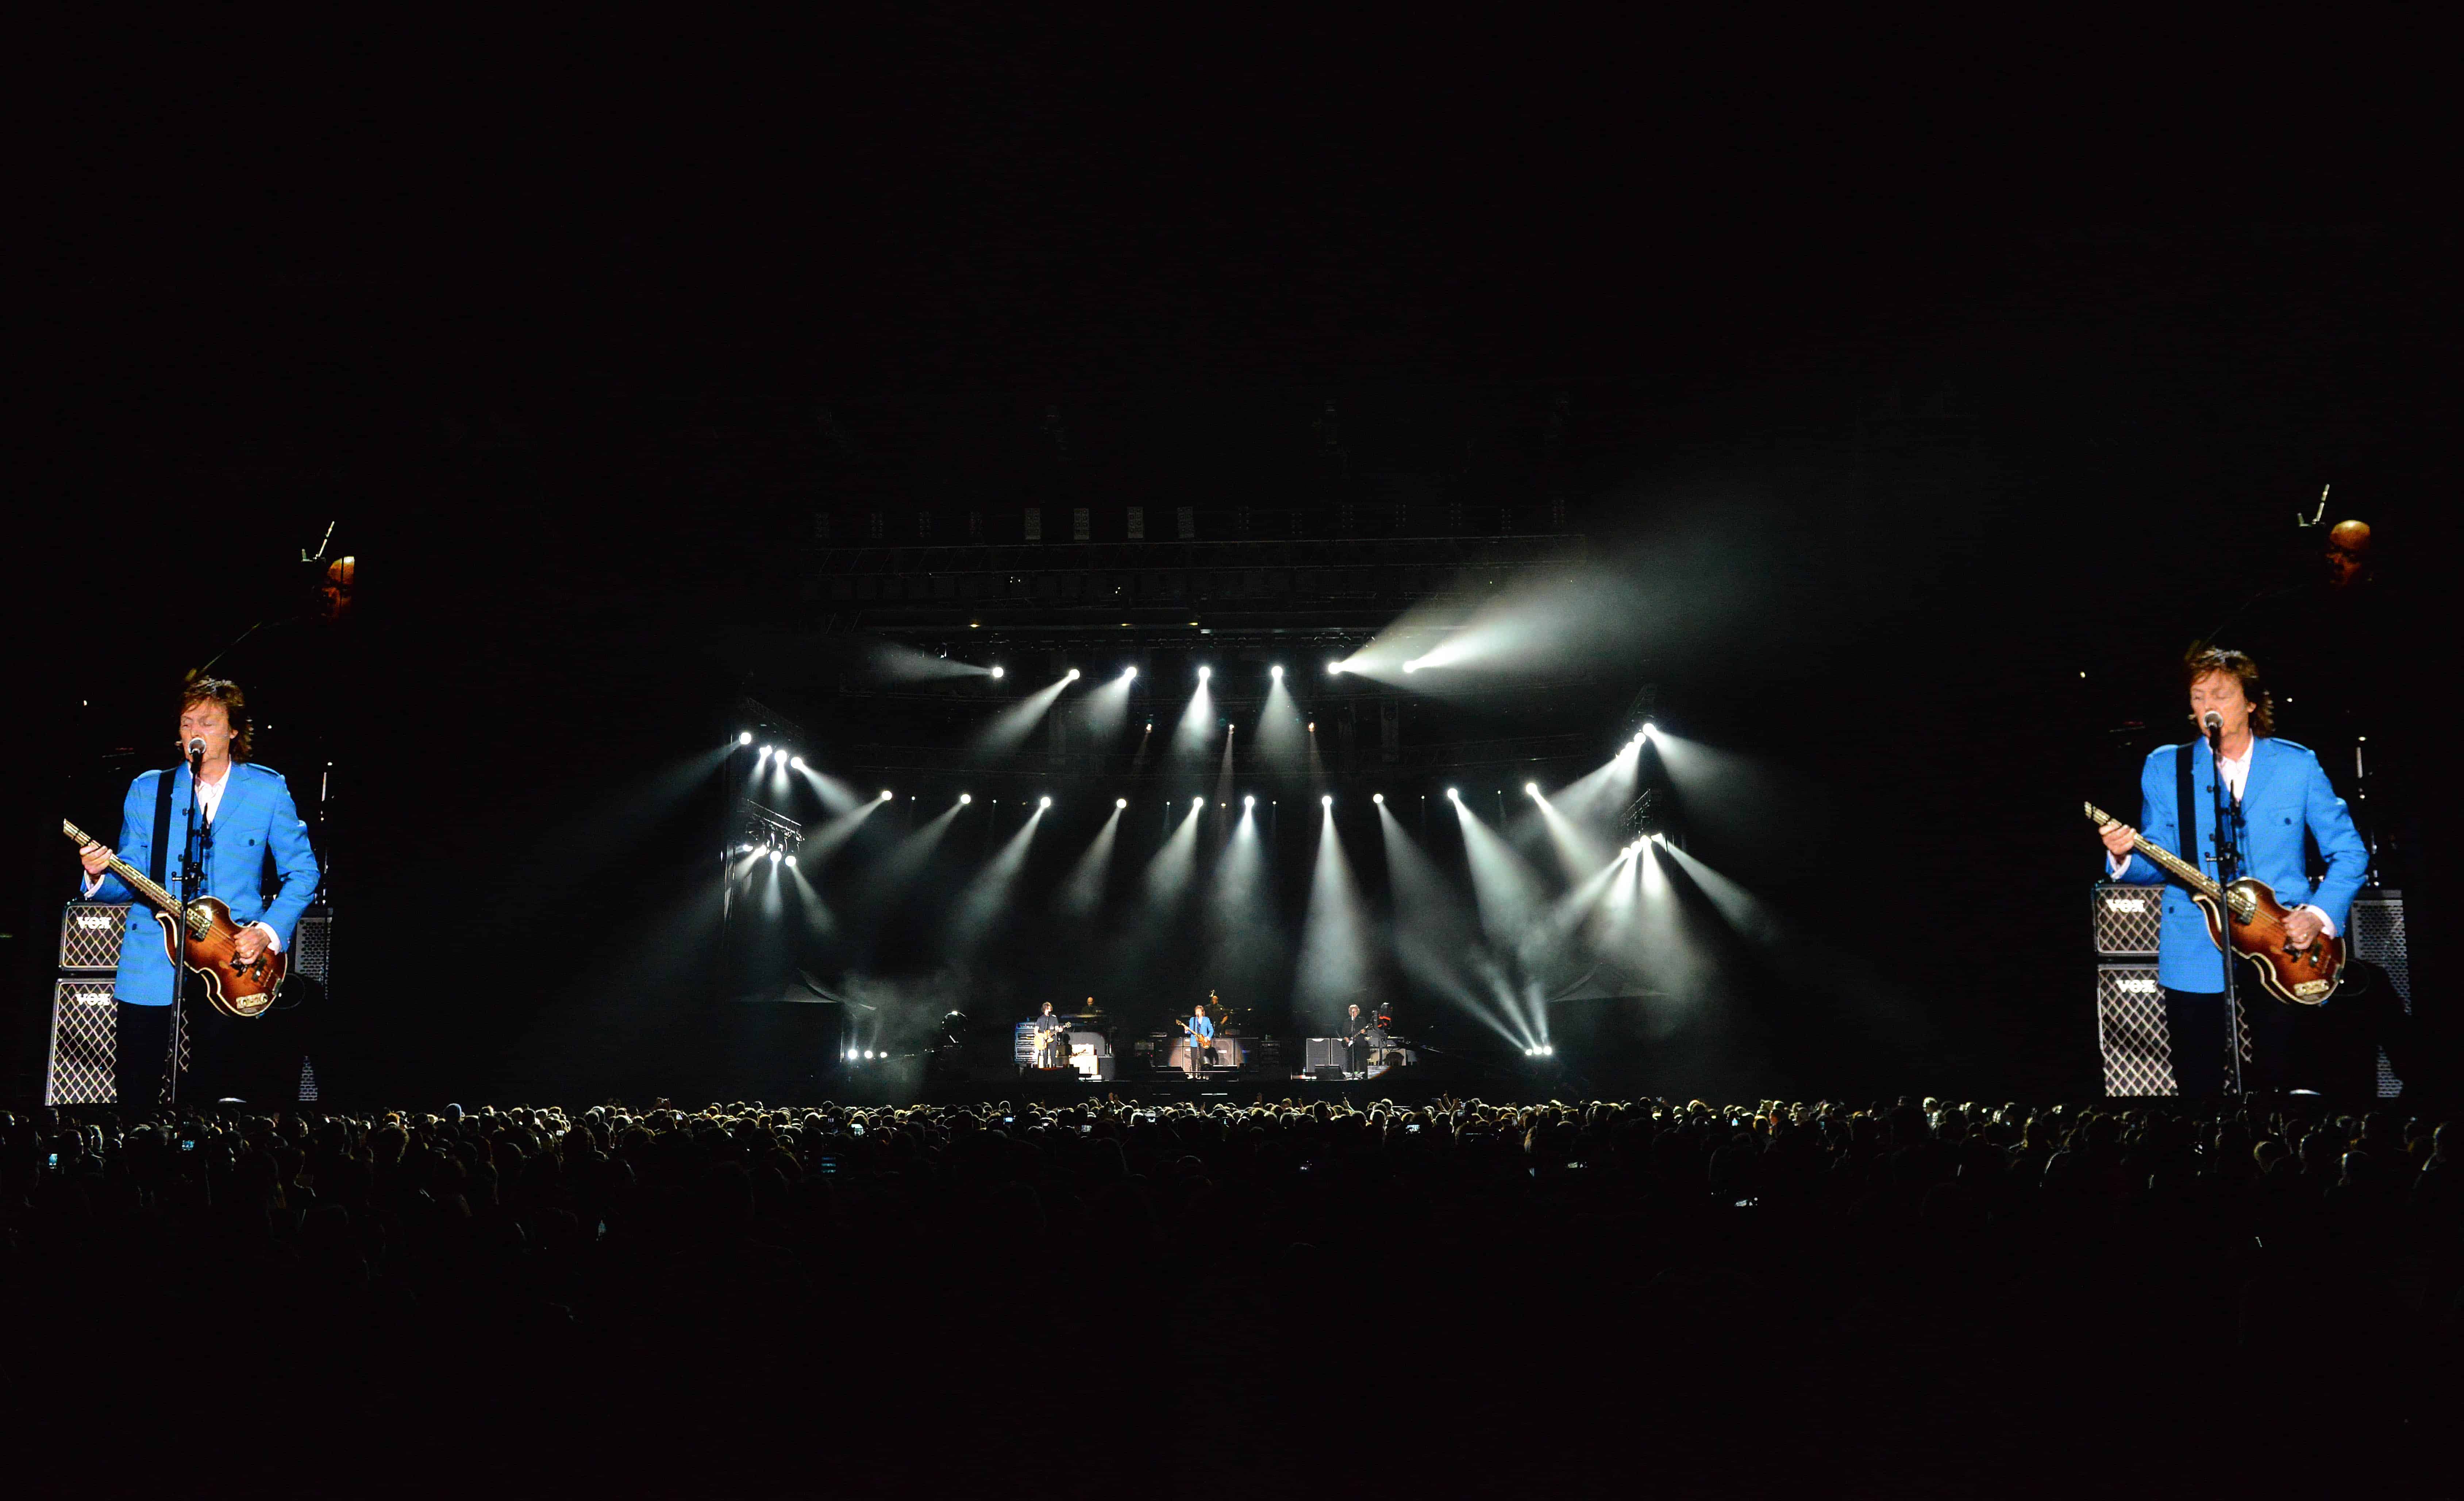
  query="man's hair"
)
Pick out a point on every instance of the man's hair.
point(2205, 659)
point(221, 691)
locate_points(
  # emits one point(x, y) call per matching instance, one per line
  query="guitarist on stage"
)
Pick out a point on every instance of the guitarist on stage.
point(1051, 1040)
point(1201, 1037)
point(2282, 804)
point(245, 815)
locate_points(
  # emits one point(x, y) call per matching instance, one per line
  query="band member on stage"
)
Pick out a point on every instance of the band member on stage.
point(245, 815)
point(1051, 1039)
point(1202, 1038)
point(1356, 1040)
point(2279, 797)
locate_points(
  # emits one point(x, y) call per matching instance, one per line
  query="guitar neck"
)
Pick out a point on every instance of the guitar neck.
point(2166, 860)
point(2176, 866)
point(125, 871)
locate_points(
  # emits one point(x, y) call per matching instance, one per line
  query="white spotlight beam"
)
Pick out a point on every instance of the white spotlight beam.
point(1083, 893)
point(979, 905)
point(825, 841)
point(1580, 852)
point(1168, 871)
point(1509, 892)
point(1281, 740)
point(836, 796)
point(1010, 728)
point(817, 913)
point(907, 858)
point(905, 664)
point(1244, 945)
point(1196, 726)
point(1335, 963)
point(1597, 796)
point(1435, 934)
point(1108, 707)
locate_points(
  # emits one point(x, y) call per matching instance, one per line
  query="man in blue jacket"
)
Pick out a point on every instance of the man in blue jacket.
point(246, 820)
point(2281, 807)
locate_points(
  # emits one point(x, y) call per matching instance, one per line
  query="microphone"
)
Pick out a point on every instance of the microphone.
point(197, 749)
point(2214, 724)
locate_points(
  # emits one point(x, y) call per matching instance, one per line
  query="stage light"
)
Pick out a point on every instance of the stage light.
point(797, 762)
point(1251, 800)
point(1378, 798)
point(1412, 666)
point(998, 672)
point(1196, 802)
point(964, 798)
point(1333, 668)
point(868, 1053)
point(1128, 671)
point(1276, 672)
point(1313, 727)
point(1069, 677)
point(791, 860)
point(1044, 803)
point(1452, 793)
point(1120, 802)
point(884, 794)
point(745, 738)
point(1205, 673)
point(1327, 801)
point(774, 855)
point(1531, 788)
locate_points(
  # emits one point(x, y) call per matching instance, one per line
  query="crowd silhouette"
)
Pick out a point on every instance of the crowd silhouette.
point(1927, 1296)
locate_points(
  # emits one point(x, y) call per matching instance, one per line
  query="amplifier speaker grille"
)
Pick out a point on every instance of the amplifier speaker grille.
point(90, 935)
point(2130, 1030)
point(2129, 919)
point(85, 1026)
point(2375, 932)
point(312, 944)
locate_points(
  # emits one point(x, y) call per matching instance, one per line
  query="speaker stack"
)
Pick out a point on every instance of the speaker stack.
point(2129, 1003)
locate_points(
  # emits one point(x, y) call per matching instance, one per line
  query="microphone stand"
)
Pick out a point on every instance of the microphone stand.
point(192, 874)
point(2227, 816)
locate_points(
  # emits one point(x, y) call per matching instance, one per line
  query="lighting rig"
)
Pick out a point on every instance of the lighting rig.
point(763, 830)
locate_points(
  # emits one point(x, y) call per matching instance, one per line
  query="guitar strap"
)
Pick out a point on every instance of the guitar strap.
point(162, 826)
point(2185, 806)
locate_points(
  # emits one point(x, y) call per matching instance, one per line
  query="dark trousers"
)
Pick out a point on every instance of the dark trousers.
point(2291, 1047)
point(241, 1058)
point(140, 1056)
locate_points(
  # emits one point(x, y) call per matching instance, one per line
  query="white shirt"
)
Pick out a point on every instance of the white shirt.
point(210, 794)
point(2236, 774)
point(210, 801)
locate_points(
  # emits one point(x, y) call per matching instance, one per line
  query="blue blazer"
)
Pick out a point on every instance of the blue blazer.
point(256, 815)
point(2285, 804)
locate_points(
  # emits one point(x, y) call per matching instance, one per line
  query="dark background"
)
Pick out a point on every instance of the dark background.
point(1961, 380)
